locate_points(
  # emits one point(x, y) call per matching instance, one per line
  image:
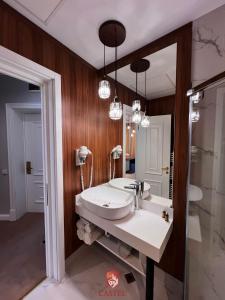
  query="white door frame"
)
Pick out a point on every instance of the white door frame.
point(127, 113)
point(11, 110)
point(19, 67)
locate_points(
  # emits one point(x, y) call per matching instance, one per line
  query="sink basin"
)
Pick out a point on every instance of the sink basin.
point(194, 193)
point(107, 202)
point(120, 183)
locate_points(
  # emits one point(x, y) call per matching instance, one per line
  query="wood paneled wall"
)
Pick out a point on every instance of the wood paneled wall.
point(85, 117)
point(161, 106)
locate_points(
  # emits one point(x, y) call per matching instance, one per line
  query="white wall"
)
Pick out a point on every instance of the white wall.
point(11, 91)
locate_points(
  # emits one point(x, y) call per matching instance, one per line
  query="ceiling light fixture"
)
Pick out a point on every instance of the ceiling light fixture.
point(112, 34)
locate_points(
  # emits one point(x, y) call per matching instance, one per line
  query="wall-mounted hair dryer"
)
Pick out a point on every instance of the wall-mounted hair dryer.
point(115, 154)
point(81, 155)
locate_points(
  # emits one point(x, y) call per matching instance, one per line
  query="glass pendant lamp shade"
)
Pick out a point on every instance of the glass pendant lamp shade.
point(104, 89)
point(136, 117)
point(145, 122)
point(195, 115)
point(115, 110)
point(136, 105)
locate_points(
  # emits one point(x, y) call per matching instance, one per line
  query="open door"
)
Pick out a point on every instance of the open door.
point(153, 146)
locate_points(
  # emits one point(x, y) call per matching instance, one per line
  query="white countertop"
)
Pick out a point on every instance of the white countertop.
point(144, 229)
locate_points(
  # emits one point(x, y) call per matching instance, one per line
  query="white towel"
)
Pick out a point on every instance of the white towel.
point(80, 234)
point(90, 238)
point(80, 224)
point(89, 227)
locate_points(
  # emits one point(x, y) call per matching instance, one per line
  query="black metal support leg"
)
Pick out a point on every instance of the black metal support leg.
point(150, 279)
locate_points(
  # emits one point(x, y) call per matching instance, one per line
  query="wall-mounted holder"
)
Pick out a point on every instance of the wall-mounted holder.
point(81, 155)
point(79, 162)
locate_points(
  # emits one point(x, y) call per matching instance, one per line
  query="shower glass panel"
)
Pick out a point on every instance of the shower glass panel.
point(205, 272)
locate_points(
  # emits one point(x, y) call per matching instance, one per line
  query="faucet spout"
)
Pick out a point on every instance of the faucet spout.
point(138, 186)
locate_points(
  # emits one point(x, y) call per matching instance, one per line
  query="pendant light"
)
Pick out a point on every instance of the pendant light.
point(138, 67)
point(136, 117)
point(112, 34)
point(145, 122)
point(115, 108)
point(195, 115)
point(136, 105)
point(104, 85)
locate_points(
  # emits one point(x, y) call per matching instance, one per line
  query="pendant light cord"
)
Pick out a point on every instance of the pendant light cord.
point(145, 89)
point(136, 85)
point(115, 71)
point(145, 85)
point(104, 62)
point(115, 62)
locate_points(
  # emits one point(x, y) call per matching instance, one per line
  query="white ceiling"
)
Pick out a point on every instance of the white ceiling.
point(161, 76)
point(75, 23)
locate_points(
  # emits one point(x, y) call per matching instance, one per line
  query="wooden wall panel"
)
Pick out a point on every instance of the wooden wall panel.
point(85, 117)
point(161, 106)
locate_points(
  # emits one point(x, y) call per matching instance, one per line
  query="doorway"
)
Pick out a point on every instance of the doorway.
point(148, 152)
point(22, 250)
point(153, 154)
point(25, 148)
point(16, 66)
point(34, 162)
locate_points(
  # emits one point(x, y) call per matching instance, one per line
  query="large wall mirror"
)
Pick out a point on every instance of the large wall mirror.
point(148, 152)
point(168, 79)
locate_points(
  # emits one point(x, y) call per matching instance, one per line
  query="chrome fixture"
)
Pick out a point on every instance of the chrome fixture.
point(112, 34)
point(104, 90)
point(197, 97)
point(138, 186)
point(190, 92)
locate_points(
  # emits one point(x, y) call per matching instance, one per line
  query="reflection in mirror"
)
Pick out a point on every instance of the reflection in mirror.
point(148, 152)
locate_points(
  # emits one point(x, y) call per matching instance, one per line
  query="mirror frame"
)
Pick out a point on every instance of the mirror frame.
point(173, 260)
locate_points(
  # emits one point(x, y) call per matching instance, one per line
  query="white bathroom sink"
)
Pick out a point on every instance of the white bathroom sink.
point(120, 183)
point(194, 193)
point(107, 202)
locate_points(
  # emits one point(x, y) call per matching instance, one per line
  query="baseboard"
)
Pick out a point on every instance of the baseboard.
point(4, 217)
point(12, 214)
point(9, 217)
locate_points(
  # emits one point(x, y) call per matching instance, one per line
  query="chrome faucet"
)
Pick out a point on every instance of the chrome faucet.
point(138, 186)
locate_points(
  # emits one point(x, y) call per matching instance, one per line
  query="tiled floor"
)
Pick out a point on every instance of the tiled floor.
point(85, 280)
